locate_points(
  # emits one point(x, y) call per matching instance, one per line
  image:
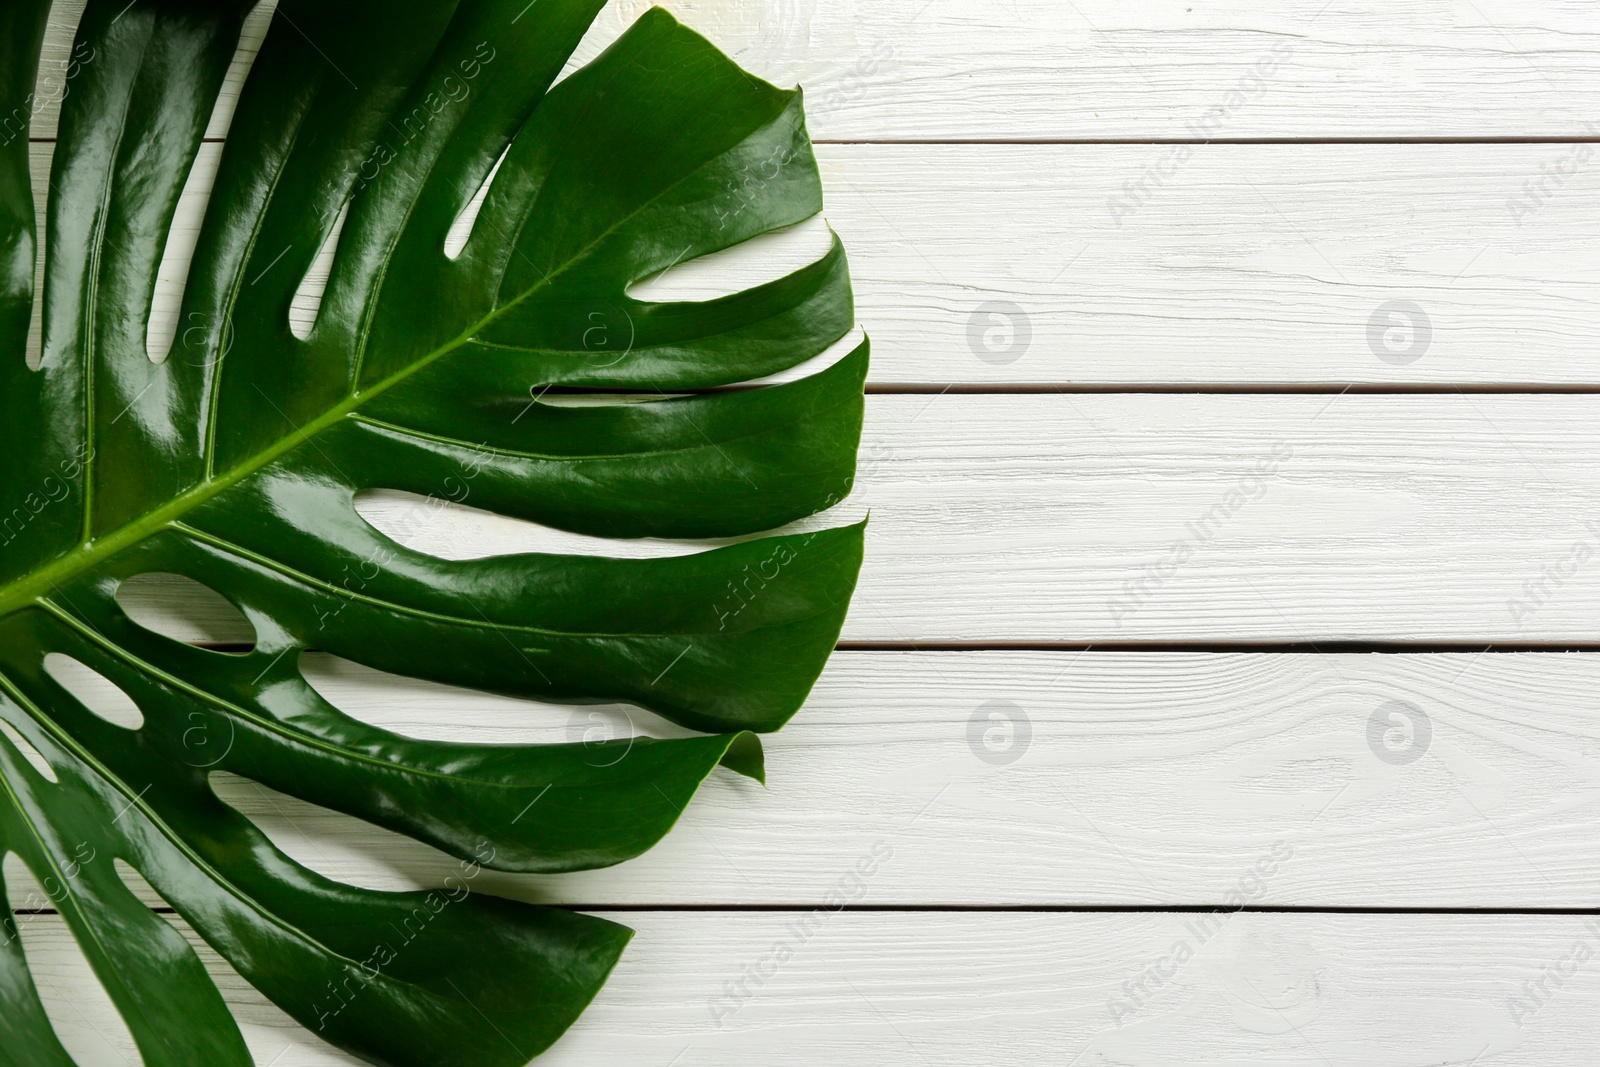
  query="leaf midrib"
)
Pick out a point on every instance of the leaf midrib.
point(29, 589)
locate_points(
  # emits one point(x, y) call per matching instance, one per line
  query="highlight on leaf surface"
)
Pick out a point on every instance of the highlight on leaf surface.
point(364, 131)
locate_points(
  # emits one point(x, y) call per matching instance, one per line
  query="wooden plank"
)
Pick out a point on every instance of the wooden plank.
point(1195, 518)
point(1040, 69)
point(856, 989)
point(1256, 264)
point(1047, 779)
point(1181, 519)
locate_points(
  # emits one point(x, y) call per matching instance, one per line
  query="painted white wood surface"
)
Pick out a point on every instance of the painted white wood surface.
point(1063, 778)
point(1175, 69)
point(951, 990)
point(1383, 264)
point(1189, 518)
point(1185, 518)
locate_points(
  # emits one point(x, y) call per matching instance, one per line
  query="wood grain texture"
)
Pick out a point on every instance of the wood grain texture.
point(899, 990)
point(1197, 518)
point(1255, 264)
point(1039, 69)
point(1048, 779)
point(1258, 264)
point(1179, 519)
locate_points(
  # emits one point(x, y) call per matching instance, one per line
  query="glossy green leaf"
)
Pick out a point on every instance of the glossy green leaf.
point(236, 460)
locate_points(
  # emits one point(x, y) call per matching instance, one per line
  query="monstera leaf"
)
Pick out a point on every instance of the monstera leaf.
point(235, 462)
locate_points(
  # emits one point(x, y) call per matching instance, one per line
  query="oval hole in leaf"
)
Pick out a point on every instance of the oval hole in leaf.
point(307, 301)
point(331, 843)
point(841, 348)
point(444, 529)
point(163, 327)
point(29, 753)
point(251, 36)
point(162, 332)
point(147, 893)
point(764, 258)
point(77, 1005)
point(33, 348)
point(448, 530)
point(410, 707)
point(23, 891)
point(461, 229)
point(600, 400)
point(95, 691)
point(184, 610)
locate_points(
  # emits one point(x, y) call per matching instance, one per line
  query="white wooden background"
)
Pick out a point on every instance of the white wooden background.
point(1069, 727)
